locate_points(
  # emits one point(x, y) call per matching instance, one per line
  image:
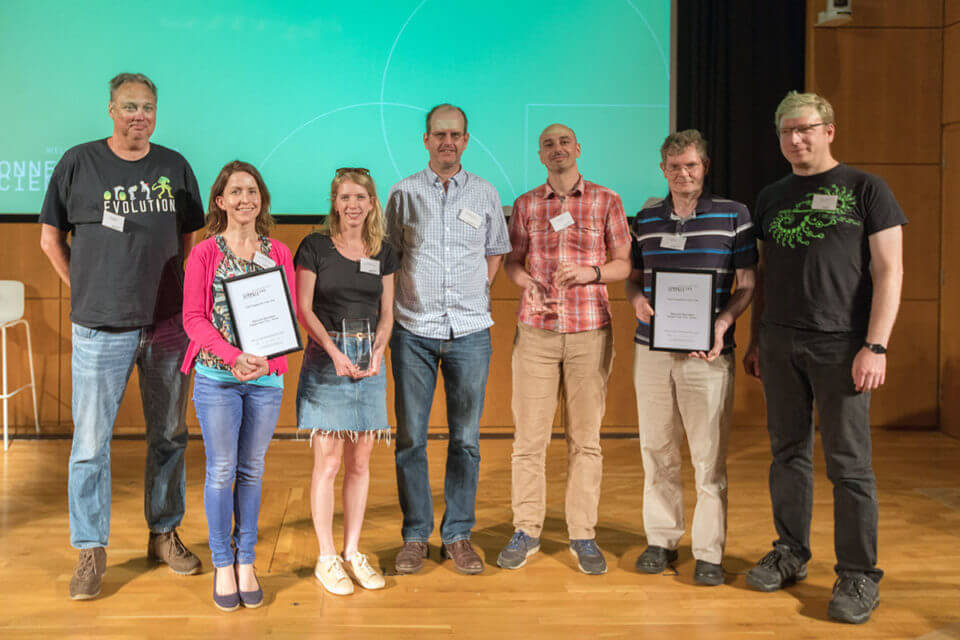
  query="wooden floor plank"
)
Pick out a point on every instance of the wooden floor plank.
point(919, 488)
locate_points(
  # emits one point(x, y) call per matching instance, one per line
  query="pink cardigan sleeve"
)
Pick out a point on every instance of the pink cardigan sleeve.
point(198, 303)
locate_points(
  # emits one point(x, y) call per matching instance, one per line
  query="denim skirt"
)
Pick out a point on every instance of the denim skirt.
point(340, 406)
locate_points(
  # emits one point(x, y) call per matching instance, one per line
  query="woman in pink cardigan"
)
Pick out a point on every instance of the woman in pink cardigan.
point(236, 394)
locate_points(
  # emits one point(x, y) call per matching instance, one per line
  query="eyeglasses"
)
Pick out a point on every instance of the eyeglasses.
point(676, 170)
point(803, 130)
point(360, 170)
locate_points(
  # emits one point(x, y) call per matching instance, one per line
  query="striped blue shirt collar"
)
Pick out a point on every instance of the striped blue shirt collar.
point(704, 205)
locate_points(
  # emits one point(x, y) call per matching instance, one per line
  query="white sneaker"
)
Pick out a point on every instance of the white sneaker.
point(361, 572)
point(329, 571)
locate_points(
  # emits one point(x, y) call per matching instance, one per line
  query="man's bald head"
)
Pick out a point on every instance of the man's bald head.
point(557, 129)
point(559, 149)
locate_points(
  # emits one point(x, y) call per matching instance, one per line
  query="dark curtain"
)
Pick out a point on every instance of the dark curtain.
point(736, 59)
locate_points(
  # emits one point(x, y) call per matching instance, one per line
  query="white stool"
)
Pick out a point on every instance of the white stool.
point(11, 314)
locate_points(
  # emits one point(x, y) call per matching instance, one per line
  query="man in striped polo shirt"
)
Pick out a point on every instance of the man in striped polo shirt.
point(562, 233)
point(677, 392)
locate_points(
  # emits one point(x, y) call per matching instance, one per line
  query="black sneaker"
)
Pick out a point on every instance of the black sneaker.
point(779, 568)
point(708, 573)
point(655, 559)
point(855, 596)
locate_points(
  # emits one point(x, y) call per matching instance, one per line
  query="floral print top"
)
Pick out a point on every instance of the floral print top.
point(231, 265)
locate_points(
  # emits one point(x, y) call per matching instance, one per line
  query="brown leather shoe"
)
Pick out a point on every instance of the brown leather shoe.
point(465, 559)
point(88, 574)
point(166, 548)
point(410, 558)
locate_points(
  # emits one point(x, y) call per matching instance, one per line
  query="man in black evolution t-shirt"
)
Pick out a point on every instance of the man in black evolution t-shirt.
point(827, 297)
point(131, 208)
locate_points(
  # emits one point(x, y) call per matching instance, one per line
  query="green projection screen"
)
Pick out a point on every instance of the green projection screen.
point(301, 87)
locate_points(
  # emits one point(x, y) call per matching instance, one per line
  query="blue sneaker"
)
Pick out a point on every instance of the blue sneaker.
point(515, 554)
point(588, 556)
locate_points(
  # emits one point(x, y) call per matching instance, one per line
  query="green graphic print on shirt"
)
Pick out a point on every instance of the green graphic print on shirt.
point(803, 224)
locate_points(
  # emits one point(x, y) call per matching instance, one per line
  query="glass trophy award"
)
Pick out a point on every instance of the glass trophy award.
point(357, 341)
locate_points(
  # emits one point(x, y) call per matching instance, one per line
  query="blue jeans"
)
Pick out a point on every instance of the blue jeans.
point(101, 366)
point(237, 421)
point(464, 362)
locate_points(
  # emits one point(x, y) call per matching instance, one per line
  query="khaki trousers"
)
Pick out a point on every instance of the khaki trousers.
point(677, 394)
point(542, 360)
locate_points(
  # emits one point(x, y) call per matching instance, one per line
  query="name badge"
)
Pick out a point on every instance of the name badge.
point(471, 218)
point(562, 221)
point(369, 265)
point(113, 221)
point(263, 261)
point(675, 241)
point(824, 202)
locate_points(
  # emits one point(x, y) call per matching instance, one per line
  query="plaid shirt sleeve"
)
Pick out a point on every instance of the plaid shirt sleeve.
point(617, 233)
point(519, 238)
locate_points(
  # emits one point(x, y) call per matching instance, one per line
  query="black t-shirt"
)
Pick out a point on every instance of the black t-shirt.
point(131, 278)
point(342, 290)
point(816, 251)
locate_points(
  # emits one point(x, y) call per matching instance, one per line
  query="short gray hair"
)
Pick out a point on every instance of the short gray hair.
point(795, 101)
point(444, 107)
point(122, 78)
point(676, 143)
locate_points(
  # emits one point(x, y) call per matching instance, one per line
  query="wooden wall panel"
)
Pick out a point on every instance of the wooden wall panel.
point(21, 259)
point(497, 410)
point(951, 74)
point(621, 398)
point(951, 12)
point(917, 189)
point(504, 288)
point(909, 397)
point(887, 13)
point(950, 287)
point(749, 409)
point(43, 316)
point(291, 234)
point(869, 75)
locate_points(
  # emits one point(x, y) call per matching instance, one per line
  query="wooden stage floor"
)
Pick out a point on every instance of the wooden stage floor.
point(919, 482)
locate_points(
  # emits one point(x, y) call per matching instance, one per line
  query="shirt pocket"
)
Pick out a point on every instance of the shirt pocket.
point(543, 239)
point(589, 236)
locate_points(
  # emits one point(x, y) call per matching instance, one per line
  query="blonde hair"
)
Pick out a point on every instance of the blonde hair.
point(795, 101)
point(373, 225)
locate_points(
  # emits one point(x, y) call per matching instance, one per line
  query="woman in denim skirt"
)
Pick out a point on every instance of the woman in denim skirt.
point(236, 394)
point(345, 284)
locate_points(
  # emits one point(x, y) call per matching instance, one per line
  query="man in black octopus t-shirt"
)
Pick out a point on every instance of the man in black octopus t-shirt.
point(827, 297)
point(131, 207)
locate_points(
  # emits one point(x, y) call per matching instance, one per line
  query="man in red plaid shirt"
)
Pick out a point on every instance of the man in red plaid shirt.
point(562, 233)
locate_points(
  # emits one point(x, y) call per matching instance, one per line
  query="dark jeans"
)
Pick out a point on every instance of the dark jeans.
point(803, 369)
point(464, 362)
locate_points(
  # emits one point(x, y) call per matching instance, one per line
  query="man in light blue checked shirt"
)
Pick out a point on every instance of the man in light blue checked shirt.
point(449, 228)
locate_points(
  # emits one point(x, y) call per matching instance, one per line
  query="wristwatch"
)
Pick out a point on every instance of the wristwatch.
point(599, 275)
point(876, 348)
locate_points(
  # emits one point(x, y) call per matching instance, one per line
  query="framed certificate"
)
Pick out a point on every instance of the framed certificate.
point(262, 313)
point(683, 301)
